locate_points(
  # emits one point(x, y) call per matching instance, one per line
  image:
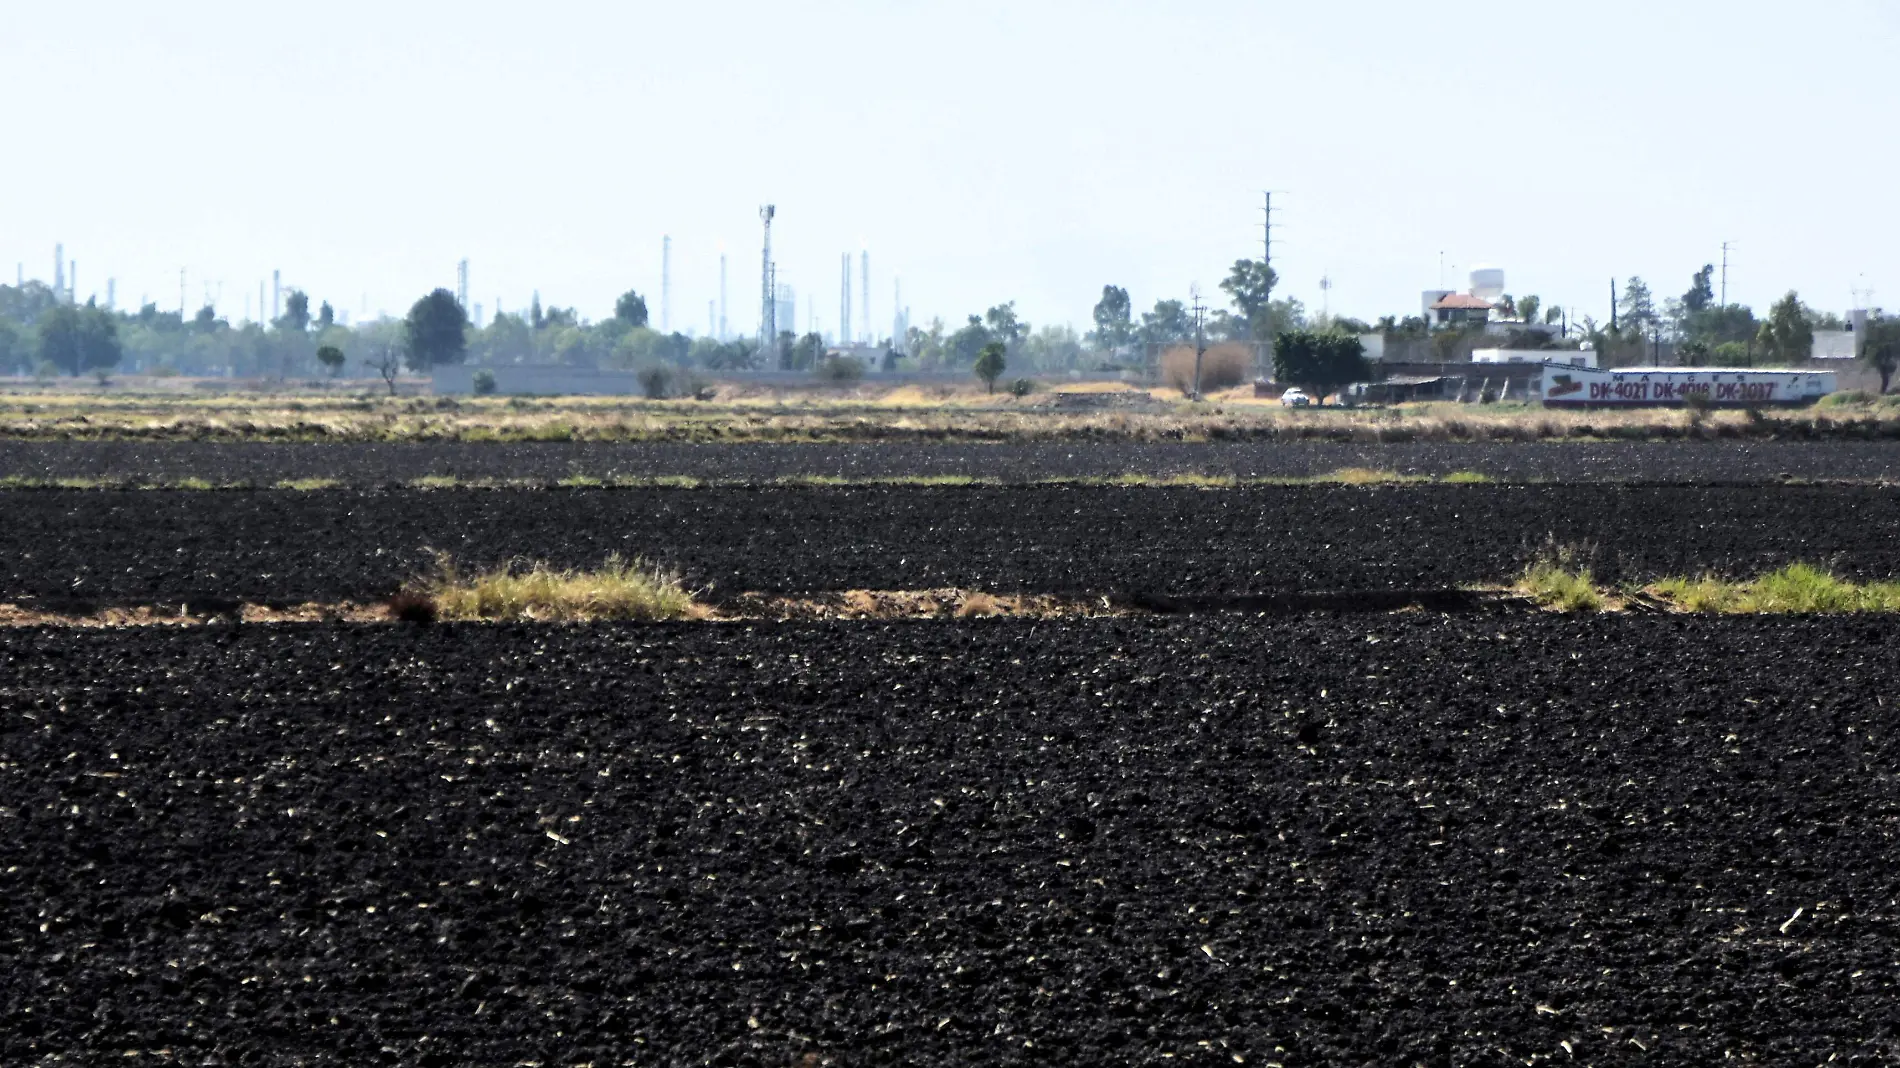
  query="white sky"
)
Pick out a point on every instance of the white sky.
point(983, 151)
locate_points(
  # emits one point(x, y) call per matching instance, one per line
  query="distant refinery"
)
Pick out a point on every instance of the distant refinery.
point(778, 306)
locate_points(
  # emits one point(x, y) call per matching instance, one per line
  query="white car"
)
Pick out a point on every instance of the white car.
point(1295, 398)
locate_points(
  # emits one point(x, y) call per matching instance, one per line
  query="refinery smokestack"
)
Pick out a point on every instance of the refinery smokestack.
point(844, 304)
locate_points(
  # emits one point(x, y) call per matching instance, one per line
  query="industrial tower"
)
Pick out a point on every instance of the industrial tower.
point(666, 285)
point(461, 285)
point(864, 310)
point(844, 304)
point(768, 305)
point(722, 297)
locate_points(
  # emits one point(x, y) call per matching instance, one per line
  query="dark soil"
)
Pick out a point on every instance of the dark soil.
point(1379, 841)
point(374, 465)
point(149, 547)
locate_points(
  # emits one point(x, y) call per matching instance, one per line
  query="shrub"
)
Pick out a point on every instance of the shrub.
point(484, 383)
point(1022, 387)
point(840, 369)
point(1559, 579)
point(1846, 397)
point(656, 382)
point(1223, 366)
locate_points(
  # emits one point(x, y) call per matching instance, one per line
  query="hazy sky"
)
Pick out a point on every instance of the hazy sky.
point(983, 151)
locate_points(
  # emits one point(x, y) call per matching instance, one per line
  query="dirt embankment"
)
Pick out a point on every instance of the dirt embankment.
point(164, 548)
point(1392, 841)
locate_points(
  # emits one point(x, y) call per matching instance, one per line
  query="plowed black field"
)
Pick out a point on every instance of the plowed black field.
point(374, 465)
point(145, 546)
point(1392, 841)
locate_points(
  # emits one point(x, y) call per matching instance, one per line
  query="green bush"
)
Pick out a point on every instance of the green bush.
point(1846, 397)
point(656, 382)
point(1022, 387)
point(840, 369)
point(484, 383)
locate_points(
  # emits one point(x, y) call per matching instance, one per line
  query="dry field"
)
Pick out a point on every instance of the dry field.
point(1080, 412)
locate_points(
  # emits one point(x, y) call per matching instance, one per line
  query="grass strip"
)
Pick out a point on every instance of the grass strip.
point(617, 590)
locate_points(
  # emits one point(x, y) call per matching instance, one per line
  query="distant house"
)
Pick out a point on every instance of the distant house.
point(1457, 309)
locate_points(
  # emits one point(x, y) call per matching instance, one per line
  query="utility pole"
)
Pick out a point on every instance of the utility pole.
point(1612, 305)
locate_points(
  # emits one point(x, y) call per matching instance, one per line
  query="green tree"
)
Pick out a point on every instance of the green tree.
point(1880, 348)
point(1004, 325)
point(1701, 294)
point(504, 340)
point(206, 321)
point(1114, 319)
point(59, 338)
point(990, 365)
point(331, 358)
point(1168, 323)
point(1320, 364)
point(326, 317)
point(435, 332)
point(807, 351)
point(79, 339)
point(964, 346)
point(1249, 284)
point(1787, 335)
point(631, 309)
point(1527, 307)
point(1637, 307)
point(296, 317)
point(12, 349)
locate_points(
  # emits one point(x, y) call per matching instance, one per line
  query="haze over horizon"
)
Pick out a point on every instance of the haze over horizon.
point(981, 151)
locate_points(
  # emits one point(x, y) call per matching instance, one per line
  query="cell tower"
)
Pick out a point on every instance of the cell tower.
point(844, 304)
point(59, 272)
point(722, 297)
point(864, 286)
point(461, 284)
point(276, 295)
point(768, 305)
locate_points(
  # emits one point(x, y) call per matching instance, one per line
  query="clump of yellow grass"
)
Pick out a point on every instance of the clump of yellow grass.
point(617, 590)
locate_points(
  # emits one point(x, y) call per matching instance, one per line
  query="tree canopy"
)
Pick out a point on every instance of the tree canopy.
point(631, 309)
point(1320, 364)
point(1114, 319)
point(990, 364)
point(434, 332)
point(1880, 348)
point(79, 339)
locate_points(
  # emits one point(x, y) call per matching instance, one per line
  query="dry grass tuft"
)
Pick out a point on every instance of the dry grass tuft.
point(616, 590)
point(979, 606)
point(1466, 478)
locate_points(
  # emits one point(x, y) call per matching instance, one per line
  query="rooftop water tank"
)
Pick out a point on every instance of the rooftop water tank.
point(1487, 284)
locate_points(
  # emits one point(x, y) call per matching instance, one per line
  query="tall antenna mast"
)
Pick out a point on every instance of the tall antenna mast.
point(864, 285)
point(1725, 248)
point(461, 283)
point(666, 285)
point(722, 296)
point(768, 300)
